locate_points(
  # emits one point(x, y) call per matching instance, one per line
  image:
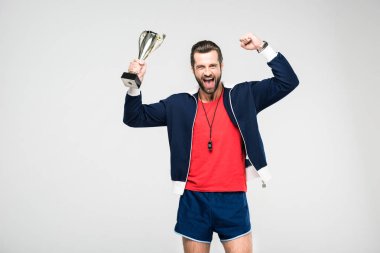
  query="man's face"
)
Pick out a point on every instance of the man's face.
point(208, 71)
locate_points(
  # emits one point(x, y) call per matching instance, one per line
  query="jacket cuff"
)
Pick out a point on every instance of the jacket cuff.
point(269, 53)
point(264, 173)
point(178, 187)
point(134, 92)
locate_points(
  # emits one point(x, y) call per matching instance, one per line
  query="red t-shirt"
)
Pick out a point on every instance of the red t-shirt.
point(223, 168)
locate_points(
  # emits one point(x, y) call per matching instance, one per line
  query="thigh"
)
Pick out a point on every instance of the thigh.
point(239, 245)
point(230, 214)
point(193, 218)
point(191, 246)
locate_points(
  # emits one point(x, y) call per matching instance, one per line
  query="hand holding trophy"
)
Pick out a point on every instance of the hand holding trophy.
point(148, 42)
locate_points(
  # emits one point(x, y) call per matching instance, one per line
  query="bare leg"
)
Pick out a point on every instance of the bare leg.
point(239, 245)
point(191, 246)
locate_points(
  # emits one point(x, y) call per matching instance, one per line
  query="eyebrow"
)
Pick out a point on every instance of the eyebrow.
point(202, 65)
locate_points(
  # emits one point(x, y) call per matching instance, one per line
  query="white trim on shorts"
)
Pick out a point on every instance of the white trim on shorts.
point(188, 237)
point(226, 240)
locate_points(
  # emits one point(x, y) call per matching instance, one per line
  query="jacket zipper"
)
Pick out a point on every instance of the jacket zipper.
point(245, 146)
point(191, 143)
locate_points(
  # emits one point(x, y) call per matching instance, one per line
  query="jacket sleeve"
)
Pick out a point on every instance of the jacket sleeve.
point(137, 114)
point(271, 90)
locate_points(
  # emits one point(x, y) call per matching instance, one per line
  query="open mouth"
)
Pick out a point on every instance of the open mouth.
point(209, 83)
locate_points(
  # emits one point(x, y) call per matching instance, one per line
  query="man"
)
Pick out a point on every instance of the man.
point(213, 134)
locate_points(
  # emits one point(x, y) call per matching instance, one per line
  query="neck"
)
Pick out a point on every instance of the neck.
point(205, 97)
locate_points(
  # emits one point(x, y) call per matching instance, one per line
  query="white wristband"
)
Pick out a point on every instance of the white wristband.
point(133, 92)
point(269, 53)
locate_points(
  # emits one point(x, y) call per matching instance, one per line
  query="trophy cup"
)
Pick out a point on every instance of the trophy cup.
point(148, 42)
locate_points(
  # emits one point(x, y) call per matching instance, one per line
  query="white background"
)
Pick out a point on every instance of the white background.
point(73, 178)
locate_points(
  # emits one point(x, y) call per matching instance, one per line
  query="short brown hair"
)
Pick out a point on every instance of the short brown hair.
point(205, 46)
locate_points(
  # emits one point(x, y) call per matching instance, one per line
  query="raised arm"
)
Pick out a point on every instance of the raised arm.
point(271, 90)
point(137, 114)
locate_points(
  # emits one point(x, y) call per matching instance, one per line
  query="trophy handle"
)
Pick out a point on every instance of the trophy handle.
point(159, 39)
point(141, 40)
point(142, 36)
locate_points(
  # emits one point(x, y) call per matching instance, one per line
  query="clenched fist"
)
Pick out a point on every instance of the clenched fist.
point(138, 67)
point(250, 42)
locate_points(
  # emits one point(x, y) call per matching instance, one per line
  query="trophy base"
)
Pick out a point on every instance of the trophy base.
point(131, 80)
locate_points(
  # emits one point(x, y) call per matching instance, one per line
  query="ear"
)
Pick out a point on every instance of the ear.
point(221, 66)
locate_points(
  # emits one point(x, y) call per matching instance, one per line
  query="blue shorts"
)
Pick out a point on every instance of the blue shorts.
point(202, 213)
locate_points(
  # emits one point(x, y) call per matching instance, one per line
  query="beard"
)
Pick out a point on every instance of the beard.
point(212, 90)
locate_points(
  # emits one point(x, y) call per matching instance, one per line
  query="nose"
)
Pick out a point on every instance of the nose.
point(207, 72)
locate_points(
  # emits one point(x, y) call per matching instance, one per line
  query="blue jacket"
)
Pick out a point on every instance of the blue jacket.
point(242, 102)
